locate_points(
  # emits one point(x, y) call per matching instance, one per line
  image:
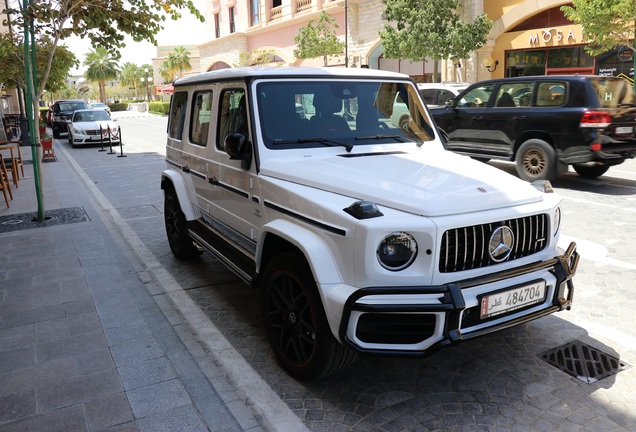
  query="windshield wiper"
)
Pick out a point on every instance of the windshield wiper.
point(326, 141)
point(398, 138)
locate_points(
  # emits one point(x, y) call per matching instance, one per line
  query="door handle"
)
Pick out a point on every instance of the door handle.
point(213, 181)
point(478, 117)
point(519, 117)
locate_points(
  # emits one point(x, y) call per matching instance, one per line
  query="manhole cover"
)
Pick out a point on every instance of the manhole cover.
point(584, 362)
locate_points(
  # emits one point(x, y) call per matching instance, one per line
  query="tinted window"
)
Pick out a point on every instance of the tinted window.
point(445, 96)
point(613, 92)
point(514, 94)
point(232, 115)
point(477, 97)
point(551, 94)
point(200, 117)
point(428, 95)
point(177, 114)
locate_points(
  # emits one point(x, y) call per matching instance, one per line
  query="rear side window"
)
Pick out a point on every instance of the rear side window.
point(428, 95)
point(514, 94)
point(613, 92)
point(200, 117)
point(551, 94)
point(177, 114)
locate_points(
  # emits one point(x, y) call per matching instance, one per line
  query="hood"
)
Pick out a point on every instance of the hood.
point(427, 182)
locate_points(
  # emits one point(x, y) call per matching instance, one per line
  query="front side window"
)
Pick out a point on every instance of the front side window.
point(232, 115)
point(300, 114)
point(200, 118)
point(177, 114)
point(476, 98)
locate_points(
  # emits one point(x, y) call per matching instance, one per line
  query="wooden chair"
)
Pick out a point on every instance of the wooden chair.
point(5, 185)
point(10, 164)
point(17, 153)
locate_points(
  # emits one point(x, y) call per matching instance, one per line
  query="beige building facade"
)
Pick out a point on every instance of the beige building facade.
point(528, 37)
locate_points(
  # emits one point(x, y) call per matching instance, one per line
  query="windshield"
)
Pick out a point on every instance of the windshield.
point(90, 116)
point(613, 92)
point(297, 114)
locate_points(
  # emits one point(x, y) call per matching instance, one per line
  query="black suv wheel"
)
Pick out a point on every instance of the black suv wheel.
point(536, 160)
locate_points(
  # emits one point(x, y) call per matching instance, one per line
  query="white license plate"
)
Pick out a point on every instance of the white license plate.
point(621, 130)
point(509, 300)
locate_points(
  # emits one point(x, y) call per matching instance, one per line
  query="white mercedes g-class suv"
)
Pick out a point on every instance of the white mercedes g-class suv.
point(362, 236)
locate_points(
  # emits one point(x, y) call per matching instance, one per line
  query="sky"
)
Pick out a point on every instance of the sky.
point(186, 31)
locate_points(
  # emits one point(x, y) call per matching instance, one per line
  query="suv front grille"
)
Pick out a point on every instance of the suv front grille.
point(467, 248)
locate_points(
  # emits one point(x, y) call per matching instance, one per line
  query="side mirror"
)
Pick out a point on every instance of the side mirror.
point(238, 147)
point(450, 102)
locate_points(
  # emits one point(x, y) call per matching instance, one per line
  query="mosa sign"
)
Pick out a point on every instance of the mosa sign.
point(552, 35)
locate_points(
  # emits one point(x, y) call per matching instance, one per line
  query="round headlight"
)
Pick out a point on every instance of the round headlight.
point(557, 220)
point(397, 251)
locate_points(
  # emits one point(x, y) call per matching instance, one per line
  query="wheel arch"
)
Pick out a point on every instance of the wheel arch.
point(171, 178)
point(281, 235)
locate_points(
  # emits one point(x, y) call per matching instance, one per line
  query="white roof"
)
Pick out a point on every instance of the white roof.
point(286, 72)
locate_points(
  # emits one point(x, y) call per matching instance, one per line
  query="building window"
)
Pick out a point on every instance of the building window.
point(232, 24)
point(254, 12)
point(217, 26)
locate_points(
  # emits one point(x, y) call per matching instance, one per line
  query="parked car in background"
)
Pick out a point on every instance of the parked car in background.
point(62, 112)
point(361, 234)
point(438, 94)
point(544, 123)
point(49, 116)
point(100, 105)
point(92, 126)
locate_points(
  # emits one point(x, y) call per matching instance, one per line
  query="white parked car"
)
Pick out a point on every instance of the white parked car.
point(438, 94)
point(92, 126)
point(100, 105)
point(360, 235)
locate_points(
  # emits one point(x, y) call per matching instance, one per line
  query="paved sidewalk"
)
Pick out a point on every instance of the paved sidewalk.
point(87, 340)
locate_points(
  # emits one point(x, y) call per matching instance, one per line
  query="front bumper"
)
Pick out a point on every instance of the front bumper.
point(443, 317)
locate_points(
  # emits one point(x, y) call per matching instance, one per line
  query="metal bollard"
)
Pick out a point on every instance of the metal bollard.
point(110, 142)
point(121, 143)
point(101, 138)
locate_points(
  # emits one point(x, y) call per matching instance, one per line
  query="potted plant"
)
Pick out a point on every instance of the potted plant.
point(42, 126)
point(47, 146)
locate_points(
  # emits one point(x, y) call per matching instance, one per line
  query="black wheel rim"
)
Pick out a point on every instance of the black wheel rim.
point(290, 318)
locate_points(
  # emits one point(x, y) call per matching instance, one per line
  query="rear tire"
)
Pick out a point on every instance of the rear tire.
point(180, 242)
point(536, 160)
point(295, 321)
point(591, 169)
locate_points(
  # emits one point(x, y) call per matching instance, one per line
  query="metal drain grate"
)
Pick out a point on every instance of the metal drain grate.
point(584, 362)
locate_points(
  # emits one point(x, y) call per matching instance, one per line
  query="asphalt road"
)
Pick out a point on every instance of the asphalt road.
point(497, 382)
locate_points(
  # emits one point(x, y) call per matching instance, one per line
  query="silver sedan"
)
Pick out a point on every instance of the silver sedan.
point(93, 126)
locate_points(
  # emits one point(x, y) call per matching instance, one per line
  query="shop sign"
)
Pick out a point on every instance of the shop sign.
point(549, 35)
point(625, 54)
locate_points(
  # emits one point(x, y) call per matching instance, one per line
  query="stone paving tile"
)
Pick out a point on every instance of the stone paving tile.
point(111, 410)
point(69, 419)
point(157, 398)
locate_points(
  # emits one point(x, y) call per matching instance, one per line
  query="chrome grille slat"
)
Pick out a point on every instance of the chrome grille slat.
point(471, 251)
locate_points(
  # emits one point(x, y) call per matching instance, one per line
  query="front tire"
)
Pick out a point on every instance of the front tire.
point(56, 132)
point(295, 321)
point(590, 170)
point(536, 160)
point(180, 242)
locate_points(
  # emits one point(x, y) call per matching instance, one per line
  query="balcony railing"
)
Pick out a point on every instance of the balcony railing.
point(303, 5)
point(276, 13)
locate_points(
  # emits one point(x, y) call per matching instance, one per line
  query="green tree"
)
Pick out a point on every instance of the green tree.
point(176, 63)
point(421, 29)
point(608, 24)
point(101, 68)
point(104, 22)
point(12, 61)
point(256, 58)
point(130, 76)
point(318, 39)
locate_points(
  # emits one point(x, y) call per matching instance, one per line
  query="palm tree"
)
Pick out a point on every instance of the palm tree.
point(101, 68)
point(176, 62)
point(130, 75)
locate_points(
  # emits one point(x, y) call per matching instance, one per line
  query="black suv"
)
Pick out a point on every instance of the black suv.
point(62, 113)
point(544, 123)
